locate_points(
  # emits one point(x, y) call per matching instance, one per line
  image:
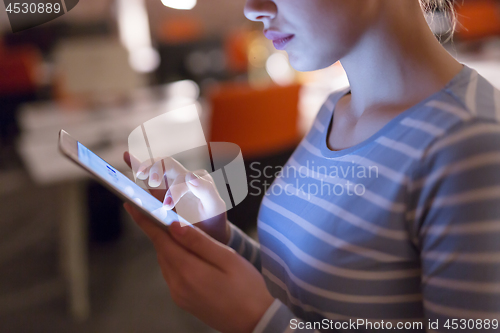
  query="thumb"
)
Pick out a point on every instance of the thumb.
point(206, 191)
point(199, 243)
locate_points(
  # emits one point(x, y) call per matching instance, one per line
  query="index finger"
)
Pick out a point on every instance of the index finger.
point(172, 168)
point(203, 246)
point(173, 253)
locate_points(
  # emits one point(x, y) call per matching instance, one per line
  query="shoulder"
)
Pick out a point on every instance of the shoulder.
point(467, 143)
point(469, 97)
point(464, 117)
point(476, 95)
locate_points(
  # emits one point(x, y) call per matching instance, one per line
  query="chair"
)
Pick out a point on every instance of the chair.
point(264, 123)
point(260, 121)
point(478, 19)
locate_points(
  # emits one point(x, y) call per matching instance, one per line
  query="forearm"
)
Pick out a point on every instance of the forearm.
point(244, 245)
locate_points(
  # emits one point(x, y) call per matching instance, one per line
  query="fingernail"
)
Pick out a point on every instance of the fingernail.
point(156, 177)
point(193, 179)
point(168, 199)
point(178, 229)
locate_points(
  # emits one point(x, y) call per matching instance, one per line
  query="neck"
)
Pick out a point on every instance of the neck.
point(398, 62)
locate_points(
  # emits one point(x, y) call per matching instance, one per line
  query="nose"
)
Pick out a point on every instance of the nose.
point(260, 10)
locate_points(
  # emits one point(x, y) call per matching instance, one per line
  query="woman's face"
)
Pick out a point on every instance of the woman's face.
point(314, 33)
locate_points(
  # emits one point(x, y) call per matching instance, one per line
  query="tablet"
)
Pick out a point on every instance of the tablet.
point(116, 181)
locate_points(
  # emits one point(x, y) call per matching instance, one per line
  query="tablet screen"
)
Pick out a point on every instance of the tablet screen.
point(126, 186)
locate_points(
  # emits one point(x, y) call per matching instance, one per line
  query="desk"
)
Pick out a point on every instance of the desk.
point(104, 130)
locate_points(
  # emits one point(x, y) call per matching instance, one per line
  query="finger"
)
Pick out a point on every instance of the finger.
point(180, 189)
point(143, 170)
point(126, 158)
point(170, 254)
point(134, 164)
point(207, 192)
point(165, 267)
point(176, 191)
point(204, 174)
point(175, 260)
point(158, 193)
point(157, 234)
point(203, 246)
point(172, 168)
point(156, 174)
point(130, 159)
point(179, 263)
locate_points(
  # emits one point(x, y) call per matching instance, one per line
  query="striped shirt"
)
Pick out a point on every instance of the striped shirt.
point(403, 227)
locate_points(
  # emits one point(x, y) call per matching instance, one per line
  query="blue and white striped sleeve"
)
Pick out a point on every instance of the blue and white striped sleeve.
point(278, 317)
point(245, 246)
point(456, 216)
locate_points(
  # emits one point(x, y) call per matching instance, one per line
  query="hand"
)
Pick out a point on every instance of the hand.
point(206, 278)
point(200, 202)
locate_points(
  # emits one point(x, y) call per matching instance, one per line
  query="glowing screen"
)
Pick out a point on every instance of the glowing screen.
point(125, 186)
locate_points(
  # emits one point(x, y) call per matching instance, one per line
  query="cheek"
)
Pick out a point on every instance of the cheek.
point(320, 45)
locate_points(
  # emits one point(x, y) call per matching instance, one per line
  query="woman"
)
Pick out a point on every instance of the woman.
point(414, 145)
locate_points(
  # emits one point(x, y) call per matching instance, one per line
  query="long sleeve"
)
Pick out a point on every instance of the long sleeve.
point(457, 228)
point(245, 246)
point(279, 319)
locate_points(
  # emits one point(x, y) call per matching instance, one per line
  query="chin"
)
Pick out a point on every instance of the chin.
point(307, 63)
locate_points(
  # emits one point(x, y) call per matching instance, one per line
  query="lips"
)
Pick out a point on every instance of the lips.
point(280, 40)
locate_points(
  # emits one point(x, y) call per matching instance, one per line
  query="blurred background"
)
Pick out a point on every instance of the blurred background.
point(70, 258)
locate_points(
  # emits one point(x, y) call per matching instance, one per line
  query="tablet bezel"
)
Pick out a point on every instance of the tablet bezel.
point(68, 146)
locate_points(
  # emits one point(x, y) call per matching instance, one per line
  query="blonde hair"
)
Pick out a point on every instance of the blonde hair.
point(445, 6)
point(430, 5)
